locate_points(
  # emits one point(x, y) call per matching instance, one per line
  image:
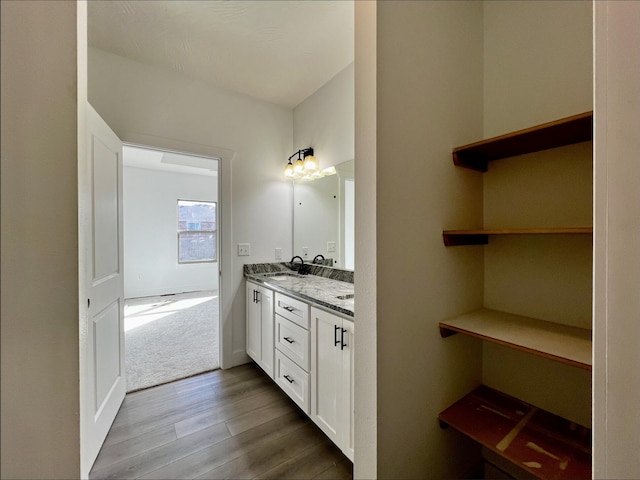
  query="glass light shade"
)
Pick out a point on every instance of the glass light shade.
point(298, 167)
point(288, 170)
point(310, 163)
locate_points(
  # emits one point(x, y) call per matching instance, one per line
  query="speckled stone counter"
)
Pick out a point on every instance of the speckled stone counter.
point(321, 287)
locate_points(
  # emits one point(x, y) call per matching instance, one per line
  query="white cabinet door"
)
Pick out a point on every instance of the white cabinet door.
point(332, 379)
point(347, 388)
point(346, 409)
point(254, 323)
point(265, 299)
point(260, 345)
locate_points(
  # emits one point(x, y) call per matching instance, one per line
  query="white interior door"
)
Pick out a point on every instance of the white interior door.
point(101, 264)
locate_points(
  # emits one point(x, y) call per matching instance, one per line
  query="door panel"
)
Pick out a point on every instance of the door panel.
point(106, 338)
point(102, 281)
point(105, 203)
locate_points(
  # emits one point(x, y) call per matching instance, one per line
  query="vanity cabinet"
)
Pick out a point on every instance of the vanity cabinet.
point(292, 349)
point(309, 353)
point(260, 326)
point(332, 361)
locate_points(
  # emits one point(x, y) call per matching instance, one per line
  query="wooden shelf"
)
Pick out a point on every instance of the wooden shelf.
point(543, 444)
point(561, 343)
point(566, 131)
point(481, 236)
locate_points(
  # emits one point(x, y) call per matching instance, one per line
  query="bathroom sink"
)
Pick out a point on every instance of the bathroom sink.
point(281, 276)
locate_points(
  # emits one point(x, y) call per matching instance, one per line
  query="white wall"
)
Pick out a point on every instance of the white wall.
point(135, 99)
point(429, 99)
point(40, 426)
point(537, 62)
point(325, 120)
point(616, 372)
point(150, 238)
point(538, 68)
point(366, 341)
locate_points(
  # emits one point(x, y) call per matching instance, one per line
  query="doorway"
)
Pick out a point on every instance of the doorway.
point(171, 255)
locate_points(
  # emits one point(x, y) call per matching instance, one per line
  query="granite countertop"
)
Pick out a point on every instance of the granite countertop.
point(315, 289)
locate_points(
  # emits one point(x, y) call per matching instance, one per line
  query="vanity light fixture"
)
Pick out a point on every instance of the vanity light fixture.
point(306, 164)
point(305, 167)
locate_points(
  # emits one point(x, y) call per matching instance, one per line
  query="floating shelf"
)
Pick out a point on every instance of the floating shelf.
point(561, 343)
point(543, 444)
point(566, 131)
point(481, 236)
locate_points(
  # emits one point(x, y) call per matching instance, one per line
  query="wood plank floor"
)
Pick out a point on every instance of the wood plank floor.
point(234, 423)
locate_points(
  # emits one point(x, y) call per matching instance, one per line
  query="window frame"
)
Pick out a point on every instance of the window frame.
point(181, 231)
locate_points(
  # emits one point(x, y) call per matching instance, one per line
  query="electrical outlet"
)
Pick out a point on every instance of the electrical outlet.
point(278, 254)
point(331, 247)
point(305, 252)
point(244, 249)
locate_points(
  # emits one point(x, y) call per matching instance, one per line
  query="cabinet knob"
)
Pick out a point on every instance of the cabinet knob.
point(288, 378)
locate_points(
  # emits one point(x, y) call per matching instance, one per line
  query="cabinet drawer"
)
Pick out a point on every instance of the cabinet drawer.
point(293, 380)
point(294, 310)
point(293, 341)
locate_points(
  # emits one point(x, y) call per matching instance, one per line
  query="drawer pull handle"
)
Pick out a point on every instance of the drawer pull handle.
point(288, 378)
point(289, 309)
point(336, 341)
point(289, 340)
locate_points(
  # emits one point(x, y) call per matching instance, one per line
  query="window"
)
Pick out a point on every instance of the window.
point(197, 233)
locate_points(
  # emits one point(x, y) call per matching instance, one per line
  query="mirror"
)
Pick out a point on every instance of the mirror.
point(323, 217)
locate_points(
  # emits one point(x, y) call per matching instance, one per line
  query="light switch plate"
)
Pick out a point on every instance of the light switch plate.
point(305, 252)
point(278, 254)
point(331, 247)
point(244, 249)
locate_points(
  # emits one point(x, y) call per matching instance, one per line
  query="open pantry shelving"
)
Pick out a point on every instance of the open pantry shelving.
point(544, 444)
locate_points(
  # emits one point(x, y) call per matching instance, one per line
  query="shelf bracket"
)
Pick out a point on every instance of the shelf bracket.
point(468, 161)
point(453, 240)
point(446, 332)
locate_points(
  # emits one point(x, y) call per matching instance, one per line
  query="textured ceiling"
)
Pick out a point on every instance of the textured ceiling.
point(278, 51)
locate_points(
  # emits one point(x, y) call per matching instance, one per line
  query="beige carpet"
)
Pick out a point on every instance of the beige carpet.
point(170, 337)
